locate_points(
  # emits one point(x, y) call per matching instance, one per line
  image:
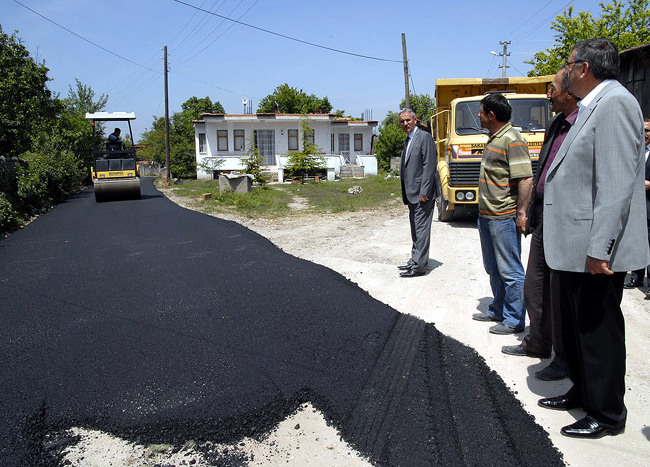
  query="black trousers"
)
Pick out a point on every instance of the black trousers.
point(542, 304)
point(593, 332)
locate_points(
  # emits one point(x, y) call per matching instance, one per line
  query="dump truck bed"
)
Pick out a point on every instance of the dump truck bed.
point(451, 88)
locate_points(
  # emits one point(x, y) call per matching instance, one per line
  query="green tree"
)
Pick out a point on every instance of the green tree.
point(625, 23)
point(26, 104)
point(72, 131)
point(390, 140)
point(253, 162)
point(391, 137)
point(423, 105)
point(194, 107)
point(307, 161)
point(288, 100)
point(181, 136)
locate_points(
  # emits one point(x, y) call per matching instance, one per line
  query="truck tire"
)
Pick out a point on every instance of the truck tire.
point(442, 205)
point(444, 213)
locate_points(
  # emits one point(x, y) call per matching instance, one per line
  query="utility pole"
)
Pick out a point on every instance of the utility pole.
point(407, 97)
point(167, 157)
point(505, 56)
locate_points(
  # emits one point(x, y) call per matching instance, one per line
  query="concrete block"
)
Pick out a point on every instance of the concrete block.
point(239, 183)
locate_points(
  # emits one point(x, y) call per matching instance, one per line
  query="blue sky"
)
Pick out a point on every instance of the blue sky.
point(212, 56)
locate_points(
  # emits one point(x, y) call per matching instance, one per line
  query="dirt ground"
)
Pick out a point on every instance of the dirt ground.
point(366, 247)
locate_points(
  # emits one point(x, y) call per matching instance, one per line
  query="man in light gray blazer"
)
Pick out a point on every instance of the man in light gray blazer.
point(594, 226)
point(419, 190)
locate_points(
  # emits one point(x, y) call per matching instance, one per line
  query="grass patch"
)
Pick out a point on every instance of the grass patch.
point(273, 200)
point(333, 197)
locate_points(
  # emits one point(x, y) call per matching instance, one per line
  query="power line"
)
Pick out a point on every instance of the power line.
point(83, 38)
point(289, 37)
point(222, 34)
point(542, 23)
point(200, 25)
point(529, 19)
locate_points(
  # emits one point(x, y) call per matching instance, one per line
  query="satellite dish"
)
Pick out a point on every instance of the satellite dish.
point(244, 101)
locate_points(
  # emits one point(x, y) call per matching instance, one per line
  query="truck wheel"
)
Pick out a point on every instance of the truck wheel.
point(444, 213)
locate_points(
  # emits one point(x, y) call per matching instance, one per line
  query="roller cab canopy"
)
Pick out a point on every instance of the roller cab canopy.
point(110, 116)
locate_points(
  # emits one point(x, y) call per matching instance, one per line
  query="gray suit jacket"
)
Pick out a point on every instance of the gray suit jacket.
point(418, 169)
point(594, 198)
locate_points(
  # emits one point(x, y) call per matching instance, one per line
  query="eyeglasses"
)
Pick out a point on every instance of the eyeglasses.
point(575, 62)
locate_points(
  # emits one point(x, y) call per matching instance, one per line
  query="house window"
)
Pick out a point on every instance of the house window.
point(358, 142)
point(240, 145)
point(293, 140)
point(202, 143)
point(332, 143)
point(309, 136)
point(222, 140)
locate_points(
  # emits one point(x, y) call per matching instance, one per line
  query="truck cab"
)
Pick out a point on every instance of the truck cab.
point(460, 140)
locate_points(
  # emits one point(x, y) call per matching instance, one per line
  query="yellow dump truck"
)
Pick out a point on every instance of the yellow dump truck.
point(460, 139)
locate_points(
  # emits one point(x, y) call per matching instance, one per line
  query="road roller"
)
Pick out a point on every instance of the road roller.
point(115, 169)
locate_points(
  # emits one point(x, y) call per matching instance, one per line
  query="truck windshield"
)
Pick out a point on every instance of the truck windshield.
point(528, 115)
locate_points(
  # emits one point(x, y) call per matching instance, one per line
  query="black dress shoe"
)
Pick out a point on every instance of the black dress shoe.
point(412, 273)
point(405, 267)
point(590, 429)
point(558, 403)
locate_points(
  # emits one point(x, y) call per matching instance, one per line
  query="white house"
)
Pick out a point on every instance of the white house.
point(340, 141)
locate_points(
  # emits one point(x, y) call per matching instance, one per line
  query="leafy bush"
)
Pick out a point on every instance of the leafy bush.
point(49, 177)
point(9, 217)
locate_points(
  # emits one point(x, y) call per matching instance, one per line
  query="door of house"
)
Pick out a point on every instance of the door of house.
point(265, 142)
point(344, 146)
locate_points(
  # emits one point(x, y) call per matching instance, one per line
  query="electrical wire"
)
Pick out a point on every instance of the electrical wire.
point(542, 23)
point(530, 19)
point(289, 37)
point(83, 38)
point(220, 35)
point(201, 24)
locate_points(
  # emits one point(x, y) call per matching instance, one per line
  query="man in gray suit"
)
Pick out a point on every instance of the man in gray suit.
point(594, 226)
point(419, 190)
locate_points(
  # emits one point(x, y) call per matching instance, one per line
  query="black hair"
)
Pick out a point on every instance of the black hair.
point(499, 105)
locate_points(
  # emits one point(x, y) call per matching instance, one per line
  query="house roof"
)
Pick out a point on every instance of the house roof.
point(269, 116)
point(637, 48)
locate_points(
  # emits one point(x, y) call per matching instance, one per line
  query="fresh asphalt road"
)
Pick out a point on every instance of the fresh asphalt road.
point(160, 325)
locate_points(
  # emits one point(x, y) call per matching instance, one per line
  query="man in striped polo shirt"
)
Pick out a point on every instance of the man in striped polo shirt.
point(505, 186)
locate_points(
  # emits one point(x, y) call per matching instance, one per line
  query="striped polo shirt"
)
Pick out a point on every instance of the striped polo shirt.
point(505, 159)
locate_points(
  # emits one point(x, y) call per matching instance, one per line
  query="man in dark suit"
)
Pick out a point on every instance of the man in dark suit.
point(636, 277)
point(418, 190)
point(595, 231)
point(545, 324)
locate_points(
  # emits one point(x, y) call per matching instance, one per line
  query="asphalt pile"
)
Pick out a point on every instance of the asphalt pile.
point(162, 325)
